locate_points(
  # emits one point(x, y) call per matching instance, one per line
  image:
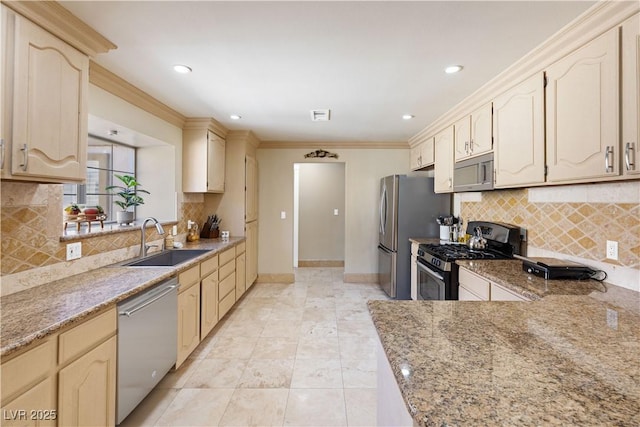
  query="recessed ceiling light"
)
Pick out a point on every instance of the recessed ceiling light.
point(453, 69)
point(407, 117)
point(182, 69)
point(235, 117)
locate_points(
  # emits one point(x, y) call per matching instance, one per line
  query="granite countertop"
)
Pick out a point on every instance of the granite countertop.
point(509, 273)
point(563, 360)
point(38, 312)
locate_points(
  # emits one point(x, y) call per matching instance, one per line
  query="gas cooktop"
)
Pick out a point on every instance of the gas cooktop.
point(452, 252)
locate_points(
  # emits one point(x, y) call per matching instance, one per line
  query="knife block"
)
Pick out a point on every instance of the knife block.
point(210, 234)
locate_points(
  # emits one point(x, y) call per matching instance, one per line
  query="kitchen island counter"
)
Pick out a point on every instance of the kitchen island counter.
point(36, 313)
point(563, 360)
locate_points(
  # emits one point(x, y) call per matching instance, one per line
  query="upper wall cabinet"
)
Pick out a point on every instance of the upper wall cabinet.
point(582, 112)
point(631, 95)
point(203, 160)
point(443, 169)
point(473, 134)
point(518, 126)
point(44, 102)
point(422, 155)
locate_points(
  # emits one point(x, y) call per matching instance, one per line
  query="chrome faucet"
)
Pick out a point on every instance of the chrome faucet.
point(144, 248)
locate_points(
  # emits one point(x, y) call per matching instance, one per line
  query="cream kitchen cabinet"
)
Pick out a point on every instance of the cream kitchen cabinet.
point(582, 112)
point(87, 388)
point(208, 295)
point(423, 154)
point(443, 169)
point(28, 384)
point(518, 126)
point(631, 96)
point(239, 204)
point(203, 159)
point(473, 287)
point(473, 134)
point(44, 102)
point(251, 257)
point(241, 270)
point(188, 313)
point(227, 283)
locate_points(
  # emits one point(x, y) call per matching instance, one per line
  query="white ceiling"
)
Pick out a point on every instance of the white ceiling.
point(272, 62)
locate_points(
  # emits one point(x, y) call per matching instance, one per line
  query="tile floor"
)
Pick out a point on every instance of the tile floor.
point(301, 354)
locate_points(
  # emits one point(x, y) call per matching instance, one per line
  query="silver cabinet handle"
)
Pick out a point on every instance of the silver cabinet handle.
point(450, 182)
point(2, 153)
point(466, 147)
point(628, 148)
point(471, 147)
point(608, 166)
point(25, 152)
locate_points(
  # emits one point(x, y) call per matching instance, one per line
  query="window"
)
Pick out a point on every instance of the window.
point(104, 160)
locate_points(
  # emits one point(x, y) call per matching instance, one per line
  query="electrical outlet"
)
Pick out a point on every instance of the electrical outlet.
point(74, 251)
point(612, 249)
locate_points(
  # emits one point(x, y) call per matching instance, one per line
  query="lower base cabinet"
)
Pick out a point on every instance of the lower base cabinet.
point(35, 407)
point(188, 321)
point(473, 287)
point(391, 408)
point(87, 388)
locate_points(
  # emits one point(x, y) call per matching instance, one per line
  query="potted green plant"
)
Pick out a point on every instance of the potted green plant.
point(130, 197)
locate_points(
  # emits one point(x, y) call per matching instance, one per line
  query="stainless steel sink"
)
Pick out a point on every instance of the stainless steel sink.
point(167, 258)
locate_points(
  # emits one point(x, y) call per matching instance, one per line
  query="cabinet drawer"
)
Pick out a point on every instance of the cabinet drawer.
point(28, 368)
point(498, 293)
point(240, 248)
point(226, 286)
point(226, 304)
point(81, 338)
point(208, 265)
point(474, 283)
point(227, 256)
point(226, 270)
point(189, 277)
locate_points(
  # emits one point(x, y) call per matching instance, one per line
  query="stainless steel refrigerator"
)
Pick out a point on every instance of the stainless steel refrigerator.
point(408, 208)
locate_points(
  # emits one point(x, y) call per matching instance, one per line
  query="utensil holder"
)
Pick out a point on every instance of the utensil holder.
point(445, 232)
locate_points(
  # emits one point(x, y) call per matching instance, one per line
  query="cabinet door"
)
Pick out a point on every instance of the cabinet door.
point(6, 90)
point(582, 112)
point(241, 275)
point(215, 163)
point(427, 153)
point(50, 115)
point(35, 407)
point(251, 253)
point(87, 388)
point(462, 136)
point(498, 293)
point(481, 131)
point(188, 322)
point(415, 159)
point(518, 119)
point(209, 304)
point(465, 295)
point(251, 188)
point(631, 95)
point(443, 170)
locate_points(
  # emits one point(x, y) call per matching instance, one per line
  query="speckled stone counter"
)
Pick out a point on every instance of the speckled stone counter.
point(38, 312)
point(563, 360)
point(509, 274)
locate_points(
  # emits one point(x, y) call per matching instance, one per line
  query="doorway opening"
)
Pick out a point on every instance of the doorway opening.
point(318, 214)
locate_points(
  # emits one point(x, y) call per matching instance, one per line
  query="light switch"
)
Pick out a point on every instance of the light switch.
point(335, 212)
point(283, 215)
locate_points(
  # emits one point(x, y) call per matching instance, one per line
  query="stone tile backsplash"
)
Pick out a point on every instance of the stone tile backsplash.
point(575, 220)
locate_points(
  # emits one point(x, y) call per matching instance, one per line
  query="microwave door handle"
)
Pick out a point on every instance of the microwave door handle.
point(484, 173)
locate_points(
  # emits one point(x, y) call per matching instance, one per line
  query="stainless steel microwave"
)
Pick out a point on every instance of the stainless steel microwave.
point(475, 174)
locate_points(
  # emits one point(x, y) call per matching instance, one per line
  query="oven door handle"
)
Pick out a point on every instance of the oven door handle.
point(423, 266)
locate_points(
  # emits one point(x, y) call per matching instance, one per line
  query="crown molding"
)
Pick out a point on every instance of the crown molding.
point(206, 123)
point(595, 21)
point(245, 136)
point(334, 145)
point(54, 18)
point(105, 79)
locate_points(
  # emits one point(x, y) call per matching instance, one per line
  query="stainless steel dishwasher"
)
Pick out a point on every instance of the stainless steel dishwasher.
point(147, 337)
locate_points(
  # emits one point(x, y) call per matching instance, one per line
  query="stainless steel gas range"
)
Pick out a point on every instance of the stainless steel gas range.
point(437, 269)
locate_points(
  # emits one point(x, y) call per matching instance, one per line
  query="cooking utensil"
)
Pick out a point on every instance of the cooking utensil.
point(477, 241)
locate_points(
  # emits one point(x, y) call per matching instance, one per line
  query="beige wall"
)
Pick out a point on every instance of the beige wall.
point(321, 233)
point(363, 170)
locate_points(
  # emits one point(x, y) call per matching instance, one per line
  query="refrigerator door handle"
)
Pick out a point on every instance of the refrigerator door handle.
point(383, 209)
